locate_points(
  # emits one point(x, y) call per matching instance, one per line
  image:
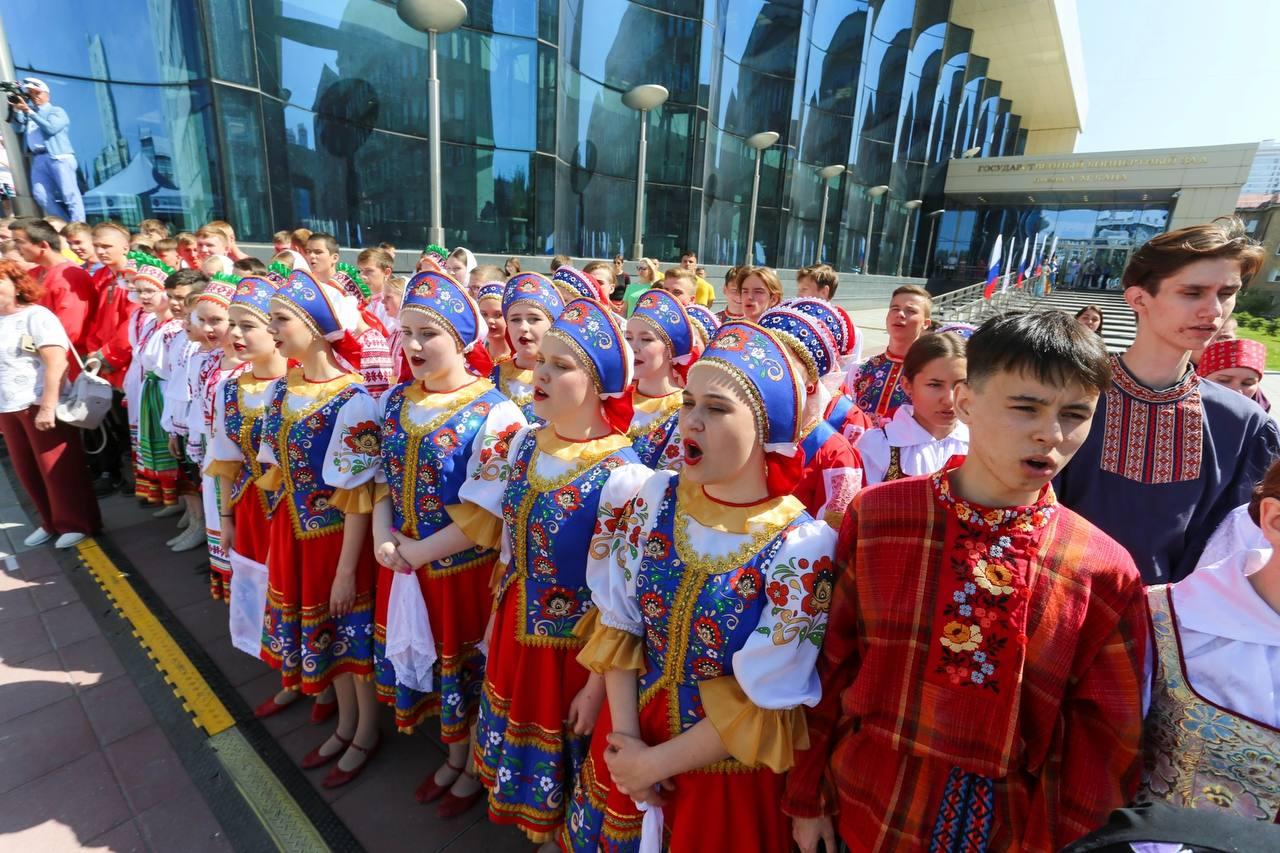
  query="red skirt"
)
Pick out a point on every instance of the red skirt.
point(458, 605)
point(525, 754)
point(253, 528)
point(743, 804)
point(300, 638)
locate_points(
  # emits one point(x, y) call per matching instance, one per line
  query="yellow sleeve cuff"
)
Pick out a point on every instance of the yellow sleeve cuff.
point(357, 501)
point(480, 526)
point(223, 468)
point(271, 480)
point(753, 735)
point(607, 648)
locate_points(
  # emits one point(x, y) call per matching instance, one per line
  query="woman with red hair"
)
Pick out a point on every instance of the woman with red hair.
point(46, 453)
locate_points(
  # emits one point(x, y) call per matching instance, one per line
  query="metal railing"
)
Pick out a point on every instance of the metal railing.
point(966, 305)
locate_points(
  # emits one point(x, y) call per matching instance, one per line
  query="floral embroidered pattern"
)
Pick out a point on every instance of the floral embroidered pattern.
point(362, 441)
point(984, 588)
point(1152, 436)
point(1198, 755)
point(800, 595)
point(877, 389)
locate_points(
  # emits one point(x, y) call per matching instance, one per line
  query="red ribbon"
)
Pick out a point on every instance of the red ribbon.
point(478, 360)
point(782, 472)
point(618, 412)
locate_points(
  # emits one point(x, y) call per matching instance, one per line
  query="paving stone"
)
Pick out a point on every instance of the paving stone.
point(31, 685)
point(69, 624)
point(42, 741)
point(81, 797)
point(147, 768)
point(22, 639)
point(115, 710)
point(52, 591)
point(125, 838)
point(183, 823)
point(38, 563)
point(16, 601)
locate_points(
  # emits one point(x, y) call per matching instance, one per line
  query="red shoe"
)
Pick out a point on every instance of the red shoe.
point(322, 711)
point(430, 791)
point(453, 805)
point(314, 758)
point(338, 777)
point(270, 708)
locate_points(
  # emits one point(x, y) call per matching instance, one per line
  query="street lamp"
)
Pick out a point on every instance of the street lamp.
point(643, 98)
point(759, 142)
point(906, 223)
point(433, 17)
point(826, 173)
point(875, 193)
point(933, 216)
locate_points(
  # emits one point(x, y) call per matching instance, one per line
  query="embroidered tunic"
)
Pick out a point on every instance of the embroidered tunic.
point(980, 676)
point(1212, 739)
point(555, 491)
point(377, 370)
point(432, 443)
point(177, 398)
point(157, 470)
point(833, 474)
point(903, 448)
point(726, 607)
point(1186, 456)
point(516, 384)
point(655, 430)
point(320, 445)
point(877, 387)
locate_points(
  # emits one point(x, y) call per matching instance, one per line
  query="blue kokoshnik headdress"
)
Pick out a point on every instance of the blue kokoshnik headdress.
point(447, 303)
point(573, 284)
point(707, 323)
point(808, 337)
point(327, 312)
point(667, 317)
point(254, 294)
point(535, 290)
point(591, 330)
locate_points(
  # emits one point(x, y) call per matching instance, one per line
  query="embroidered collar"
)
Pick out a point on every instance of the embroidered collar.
point(769, 514)
point(567, 450)
point(905, 431)
point(515, 373)
point(418, 395)
point(1022, 519)
point(1219, 600)
point(301, 386)
point(1126, 382)
point(663, 405)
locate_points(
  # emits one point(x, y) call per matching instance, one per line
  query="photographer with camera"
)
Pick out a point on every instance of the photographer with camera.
point(53, 162)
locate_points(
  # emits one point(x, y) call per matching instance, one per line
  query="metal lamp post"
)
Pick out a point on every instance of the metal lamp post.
point(643, 98)
point(906, 224)
point(874, 193)
point(933, 216)
point(826, 173)
point(433, 17)
point(759, 142)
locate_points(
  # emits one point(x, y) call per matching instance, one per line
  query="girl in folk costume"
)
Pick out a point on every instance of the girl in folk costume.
point(377, 371)
point(212, 323)
point(842, 412)
point(438, 431)
point(832, 468)
point(177, 401)
point(706, 323)
point(665, 344)
point(1212, 734)
point(530, 304)
point(573, 283)
point(925, 432)
point(320, 444)
point(489, 298)
point(538, 704)
point(712, 587)
point(157, 469)
point(232, 454)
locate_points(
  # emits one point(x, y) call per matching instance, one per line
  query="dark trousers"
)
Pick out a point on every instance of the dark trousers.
point(50, 465)
point(108, 448)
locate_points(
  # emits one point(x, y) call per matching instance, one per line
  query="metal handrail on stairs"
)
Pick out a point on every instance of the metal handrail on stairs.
point(966, 304)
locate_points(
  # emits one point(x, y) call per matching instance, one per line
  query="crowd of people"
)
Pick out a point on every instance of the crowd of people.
point(678, 578)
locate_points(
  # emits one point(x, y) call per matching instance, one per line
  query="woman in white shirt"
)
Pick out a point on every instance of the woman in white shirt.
point(46, 453)
point(924, 433)
point(1212, 735)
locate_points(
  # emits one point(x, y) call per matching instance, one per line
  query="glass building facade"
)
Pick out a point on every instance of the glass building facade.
point(278, 113)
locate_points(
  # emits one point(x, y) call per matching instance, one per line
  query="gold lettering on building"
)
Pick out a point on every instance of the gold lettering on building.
point(1083, 164)
point(1091, 178)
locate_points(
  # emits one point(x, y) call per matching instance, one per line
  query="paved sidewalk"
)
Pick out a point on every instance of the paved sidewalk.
point(84, 763)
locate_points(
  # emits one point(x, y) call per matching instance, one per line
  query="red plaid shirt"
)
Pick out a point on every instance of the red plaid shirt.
point(1007, 644)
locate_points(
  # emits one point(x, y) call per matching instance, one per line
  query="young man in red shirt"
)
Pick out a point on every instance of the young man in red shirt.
point(68, 290)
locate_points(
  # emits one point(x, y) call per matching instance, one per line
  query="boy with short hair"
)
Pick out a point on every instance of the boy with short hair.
point(375, 268)
point(79, 239)
point(1170, 454)
point(210, 242)
point(982, 669)
point(818, 282)
point(322, 256)
point(167, 250)
point(680, 283)
point(732, 297)
point(280, 241)
point(876, 384)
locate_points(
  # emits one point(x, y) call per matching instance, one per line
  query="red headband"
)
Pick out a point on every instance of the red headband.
point(1223, 355)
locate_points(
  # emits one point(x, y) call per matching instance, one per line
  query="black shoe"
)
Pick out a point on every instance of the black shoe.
point(106, 486)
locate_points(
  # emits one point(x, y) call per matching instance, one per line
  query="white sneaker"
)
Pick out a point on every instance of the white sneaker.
point(39, 536)
point(68, 540)
point(166, 511)
point(185, 521)
point(192, 537)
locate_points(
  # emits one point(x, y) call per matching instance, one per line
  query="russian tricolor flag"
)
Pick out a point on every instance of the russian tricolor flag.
point(993, 268)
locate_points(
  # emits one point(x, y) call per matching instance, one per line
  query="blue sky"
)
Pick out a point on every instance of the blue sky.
point(1173, 73)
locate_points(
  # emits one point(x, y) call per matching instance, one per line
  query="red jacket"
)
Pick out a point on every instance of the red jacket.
point(68, 293)
point(109, 328)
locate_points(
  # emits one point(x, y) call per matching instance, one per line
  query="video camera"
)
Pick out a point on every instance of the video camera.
point(13, 93)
